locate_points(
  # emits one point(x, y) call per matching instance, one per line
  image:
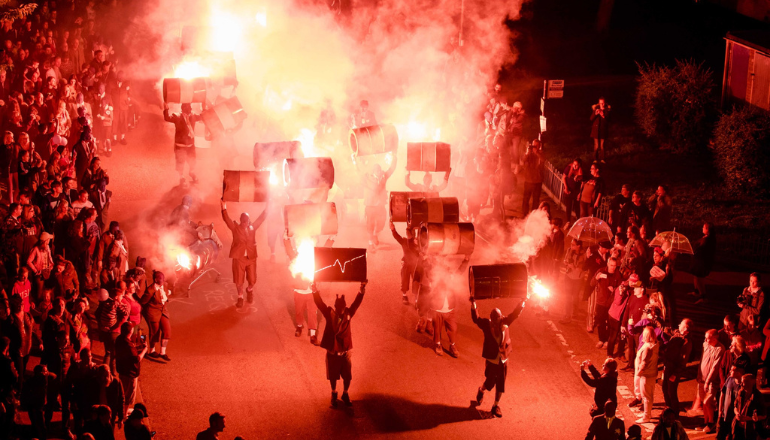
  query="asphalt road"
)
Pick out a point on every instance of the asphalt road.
point(248, 365)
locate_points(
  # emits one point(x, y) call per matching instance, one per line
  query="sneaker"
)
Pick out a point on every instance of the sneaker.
point(643, 420)
point(249, 296)
point(405, 300)
point(346, 399)
point(453, 351)
point(496, 411)
point(635, 402)
point(708, 429)
point(623, 359)
point(153, 355)
point(439, 350)
point(124, 141)
point(599, 344)
point(479, 396)
point(604, 345)
point(298, 331)
point(420, 327)
point(334, 399)
point(589, 329)
point(165, 357)
point(314, 340)
point(239, 303)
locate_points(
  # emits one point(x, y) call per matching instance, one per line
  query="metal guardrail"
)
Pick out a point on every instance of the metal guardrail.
point(751, 250)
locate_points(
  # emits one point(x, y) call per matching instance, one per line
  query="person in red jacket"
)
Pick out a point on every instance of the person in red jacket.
point(496, 351)
point(338, 340)
point(605, 282)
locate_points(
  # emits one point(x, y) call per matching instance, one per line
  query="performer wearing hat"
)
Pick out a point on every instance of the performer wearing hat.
point(243, 251)
point(497, 349)
point(338, 340)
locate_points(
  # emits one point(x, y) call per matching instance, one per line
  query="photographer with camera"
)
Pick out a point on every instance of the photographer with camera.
point(752, 302)
point(129, 353)
point(606, 384)
point(675, 356)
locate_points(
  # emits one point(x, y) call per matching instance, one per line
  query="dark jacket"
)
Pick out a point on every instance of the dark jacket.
point(600, 431)
point(676, 354)
point(244, 239)
point(66, 281)
point(599, 122)
point(491, 347)
point(705, 251)
point(184, 128)
point(409, 248)
point(606, 386)
point(337, 333)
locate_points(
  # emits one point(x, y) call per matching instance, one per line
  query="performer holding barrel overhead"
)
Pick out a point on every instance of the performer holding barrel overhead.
point(427, 182)
point(375, 200)
point(184, 139)
point(497, 349)
point(243, 251)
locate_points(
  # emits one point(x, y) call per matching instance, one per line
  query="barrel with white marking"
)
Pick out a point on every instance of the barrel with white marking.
point(339, 264)
point(447, 238)
point(498, 281)
point(308, 172)
point(433, 210)
point(184, 91)
point(224, 116)
point(399, 202)
point(310, 219)
point(428, 156)
point(245, 186)
point(375, 139)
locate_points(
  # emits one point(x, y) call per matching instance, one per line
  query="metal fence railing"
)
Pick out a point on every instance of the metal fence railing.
point(747, 249)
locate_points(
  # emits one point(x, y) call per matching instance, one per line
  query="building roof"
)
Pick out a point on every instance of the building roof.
point(758, 39)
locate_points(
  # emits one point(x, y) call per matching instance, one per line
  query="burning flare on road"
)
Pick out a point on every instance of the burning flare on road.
point(304, 265)
point(538, 288)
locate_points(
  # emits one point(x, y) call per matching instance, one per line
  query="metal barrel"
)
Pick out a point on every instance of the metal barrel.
point(224, 116)
point(310, 219)
point(498, 281)
point(447, 238)
point(268, 153)
point(184, 91)
point(375, 139)
point(428, 156)
point(433, 210)
point(339, 264)
point(308, 172)
point(399, 202)
point(245, 186)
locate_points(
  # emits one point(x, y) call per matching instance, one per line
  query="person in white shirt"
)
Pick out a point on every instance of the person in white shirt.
point(81, 203)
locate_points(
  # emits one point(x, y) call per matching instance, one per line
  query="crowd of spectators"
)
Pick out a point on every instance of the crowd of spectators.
point(65, 282)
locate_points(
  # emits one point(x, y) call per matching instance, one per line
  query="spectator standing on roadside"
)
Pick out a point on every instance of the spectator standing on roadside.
point(669, 427)
point(129, 360)
point(606, 426)
point(675, 356)
point(216, 425)
point(591, 191)
point(605, 282)
point(705, 250)
point(750, 411)
point(730, 391)
point(708, 379)
point(752, 301)
point(599, 122)
point(661, 207)
point(606, 384)
point(616, 207)
point(532, 167)
point(572, 179)
point(647, 371)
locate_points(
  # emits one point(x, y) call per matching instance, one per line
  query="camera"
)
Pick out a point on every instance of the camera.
point(743, 299)
point(143, 338)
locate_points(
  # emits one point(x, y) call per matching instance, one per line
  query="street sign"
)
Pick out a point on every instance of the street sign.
point(555, 83)
point(542, 124)
point(558, 93)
